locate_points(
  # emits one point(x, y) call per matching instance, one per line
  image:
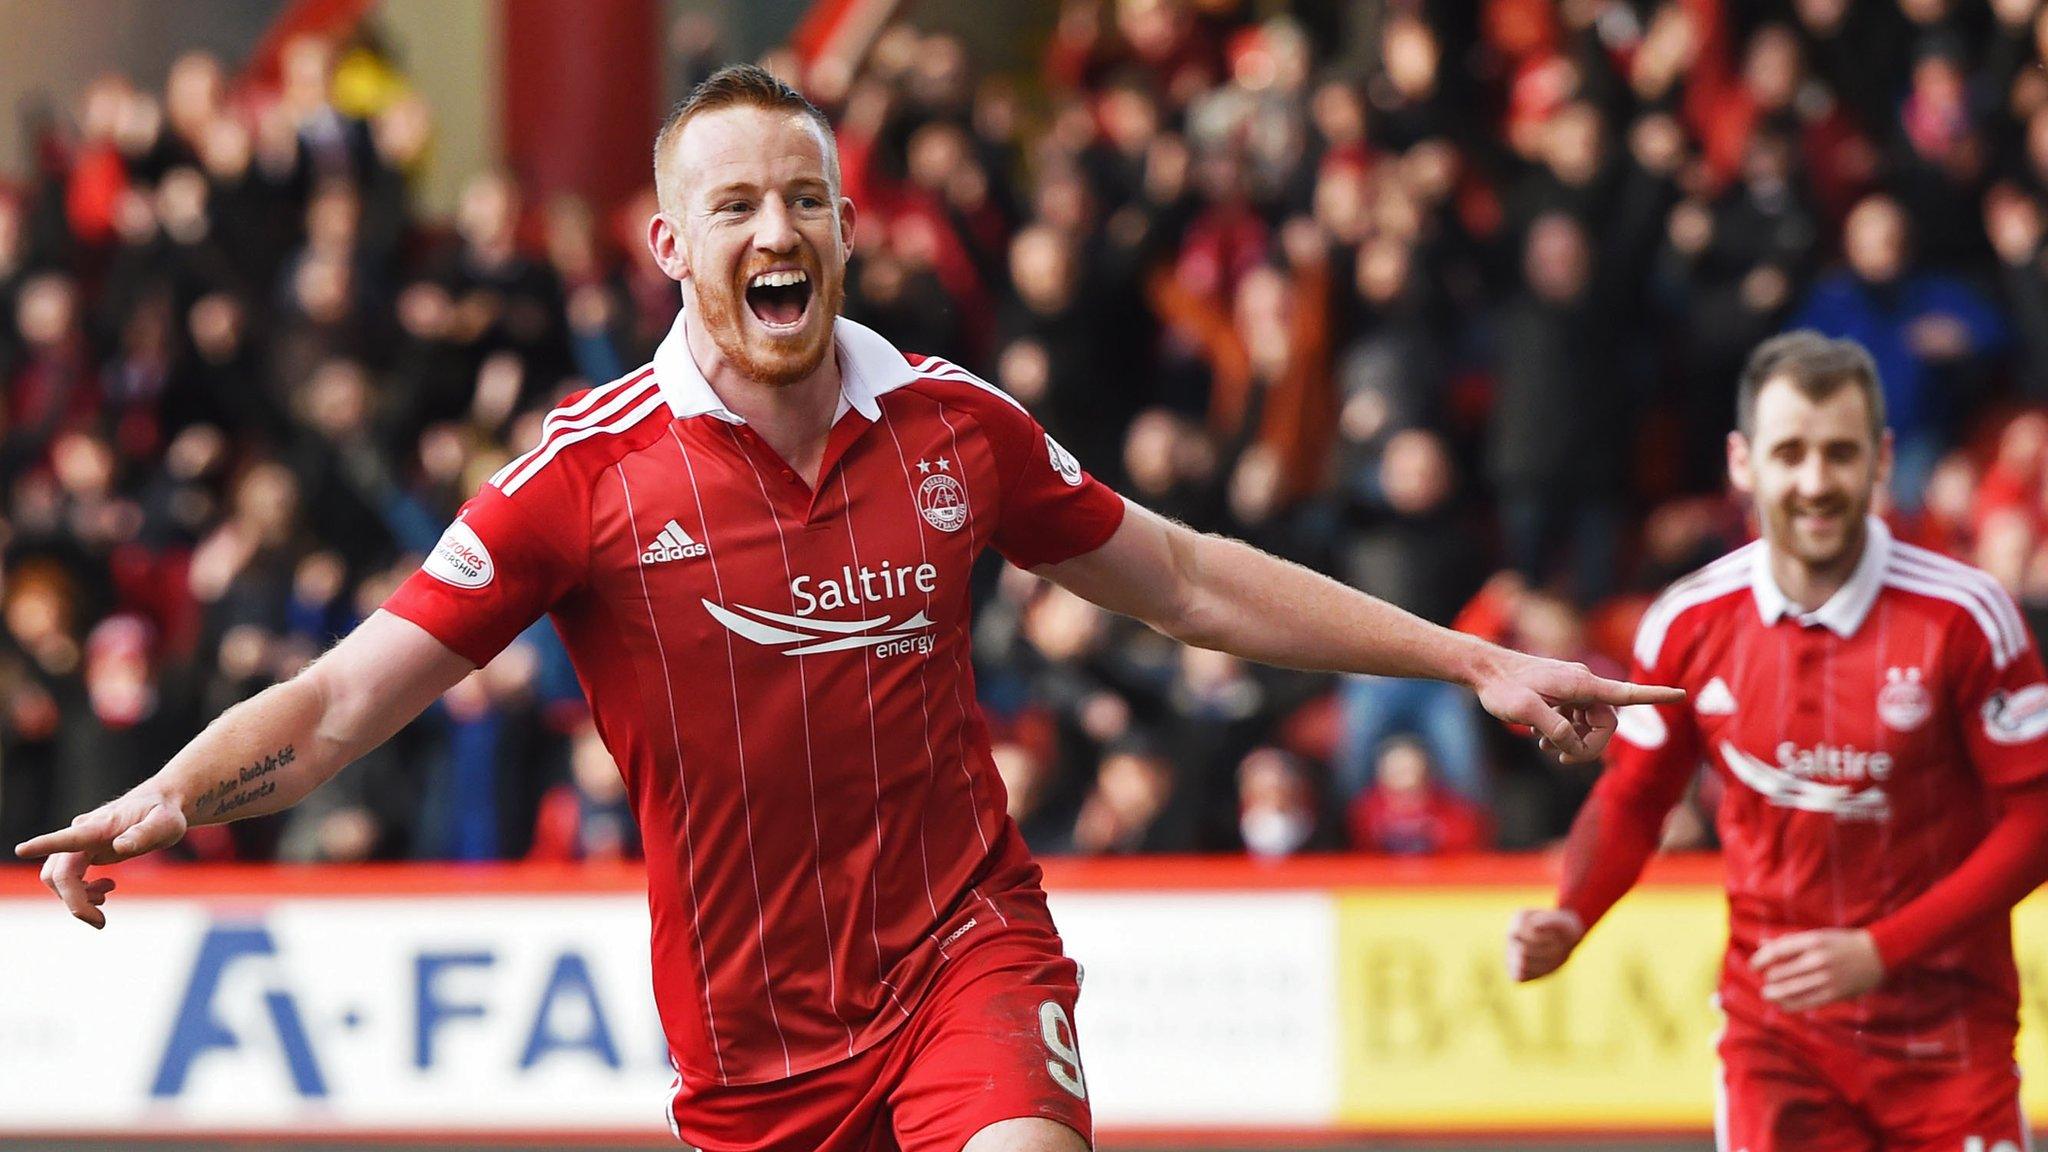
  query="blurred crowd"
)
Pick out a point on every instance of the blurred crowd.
point(1447, 300)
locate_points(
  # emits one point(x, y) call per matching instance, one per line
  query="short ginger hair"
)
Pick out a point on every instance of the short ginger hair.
point(736, 85)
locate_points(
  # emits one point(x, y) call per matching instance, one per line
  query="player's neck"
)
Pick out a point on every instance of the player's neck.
point(1808, 586)
point(793, 419)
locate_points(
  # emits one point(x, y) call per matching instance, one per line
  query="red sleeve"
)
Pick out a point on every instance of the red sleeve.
point(1654, 753)
point(1997, 874)
point(494, 571)
point(2002, 697)
point(1052, 510)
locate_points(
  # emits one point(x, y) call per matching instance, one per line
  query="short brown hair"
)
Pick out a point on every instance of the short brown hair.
point(1817, 365)
point(732, 86)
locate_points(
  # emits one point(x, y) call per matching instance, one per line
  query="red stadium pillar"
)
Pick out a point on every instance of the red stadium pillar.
point(582, 96)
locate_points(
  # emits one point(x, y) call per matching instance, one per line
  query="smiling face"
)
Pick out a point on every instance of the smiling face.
point(753, 226)
point(1812, 466)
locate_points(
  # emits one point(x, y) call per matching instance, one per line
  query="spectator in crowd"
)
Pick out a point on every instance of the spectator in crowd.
point(1931, 334)
point(1408, 548)
point(1280, 809)
point(1027, 782)
point(1125, 812)
point(1559, 343)
point(1727, 268)
point(588, 816)
point(1407, 813)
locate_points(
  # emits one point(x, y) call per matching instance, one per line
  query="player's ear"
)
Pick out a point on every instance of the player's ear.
point(846, 217)
point(665, 242)
point(1738, 463)
point(1886, 456)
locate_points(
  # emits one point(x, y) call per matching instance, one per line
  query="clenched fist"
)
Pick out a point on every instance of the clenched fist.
point(1540, 940)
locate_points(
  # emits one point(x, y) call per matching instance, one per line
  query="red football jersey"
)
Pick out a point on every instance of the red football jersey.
point(1861, 747)
point(782, 675)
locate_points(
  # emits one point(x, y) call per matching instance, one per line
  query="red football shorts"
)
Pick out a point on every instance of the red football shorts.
point(992, 1039)
point(1782, 1093)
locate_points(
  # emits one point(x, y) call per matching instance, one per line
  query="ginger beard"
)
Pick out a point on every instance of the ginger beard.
point(774, 335)
point(753, 226)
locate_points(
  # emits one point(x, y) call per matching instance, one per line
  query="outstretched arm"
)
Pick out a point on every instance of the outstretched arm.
point(1214, 592)
point(260, 756)
point(1613, 837)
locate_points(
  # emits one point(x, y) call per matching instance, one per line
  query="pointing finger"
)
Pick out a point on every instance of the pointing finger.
point(1619, 693)
point(74, 839)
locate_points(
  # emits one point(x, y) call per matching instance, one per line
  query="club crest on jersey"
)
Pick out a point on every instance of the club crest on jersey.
point(460, 558)
point(941, 498)
point(1904, 702)
point(1063, 462)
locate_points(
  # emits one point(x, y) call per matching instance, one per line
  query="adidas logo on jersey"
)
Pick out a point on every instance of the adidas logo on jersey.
point(672, 544)
point(1715, 699)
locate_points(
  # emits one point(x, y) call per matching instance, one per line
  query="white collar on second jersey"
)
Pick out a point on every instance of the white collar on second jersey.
point(1845, 611)
point(868, 366)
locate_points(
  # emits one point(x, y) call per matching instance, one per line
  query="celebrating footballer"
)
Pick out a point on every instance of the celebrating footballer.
point(1879, 718)
point(756, 550)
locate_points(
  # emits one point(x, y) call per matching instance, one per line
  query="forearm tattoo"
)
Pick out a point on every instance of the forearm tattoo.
point(245, 787)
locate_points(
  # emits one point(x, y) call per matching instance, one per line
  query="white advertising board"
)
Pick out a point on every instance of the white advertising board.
point(1210, 1009)
point(442, 1013)
point(453, 1014)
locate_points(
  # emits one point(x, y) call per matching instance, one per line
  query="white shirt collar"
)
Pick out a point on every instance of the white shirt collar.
point(1845, 611)
point(868, 366)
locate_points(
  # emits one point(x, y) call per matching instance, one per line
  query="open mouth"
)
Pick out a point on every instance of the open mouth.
point(780, 299)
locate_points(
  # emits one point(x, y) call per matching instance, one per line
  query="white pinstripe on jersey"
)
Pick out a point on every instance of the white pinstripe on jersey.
point(740, 747)
point(924, 690)
point(960, 673)
point(803, 680)
point(933, 367)
point(683, 784)
point(867, 668)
